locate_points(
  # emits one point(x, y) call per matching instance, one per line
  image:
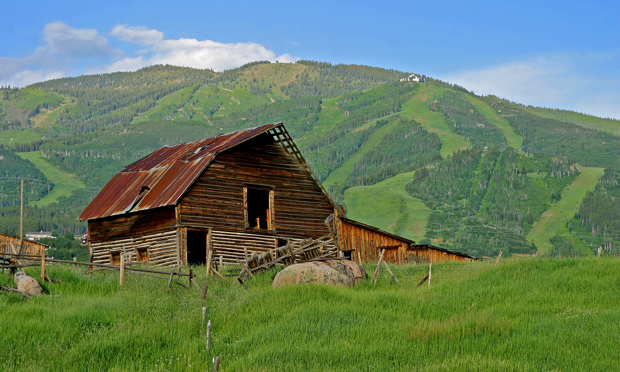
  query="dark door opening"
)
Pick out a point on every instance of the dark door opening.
point(196, 247)
point(258, 209)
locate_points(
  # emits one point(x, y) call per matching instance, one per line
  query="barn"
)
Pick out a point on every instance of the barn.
point(223, 197)
point(247, 191)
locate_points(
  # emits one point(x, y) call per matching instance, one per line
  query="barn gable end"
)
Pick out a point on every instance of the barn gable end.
point(247, 191)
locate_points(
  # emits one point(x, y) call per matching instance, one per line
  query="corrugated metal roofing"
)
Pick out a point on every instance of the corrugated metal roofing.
point(161, 178)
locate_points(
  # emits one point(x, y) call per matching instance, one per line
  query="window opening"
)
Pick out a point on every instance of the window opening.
point(259, 204)
point(142, 254)
point(115, 258)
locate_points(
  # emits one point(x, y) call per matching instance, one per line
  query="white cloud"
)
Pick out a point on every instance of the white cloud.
point(189, 52)
point(68, 42)
point(138, 35)
point(582, 83)
point(68, 51)
point(64, 49)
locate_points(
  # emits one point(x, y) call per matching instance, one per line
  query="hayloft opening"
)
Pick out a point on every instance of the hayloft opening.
point(259, 208)
point(196, 247)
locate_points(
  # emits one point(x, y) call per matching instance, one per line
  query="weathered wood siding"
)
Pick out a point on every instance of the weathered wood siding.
point(216, 199)
point(430, 255)
point(231, 246)
point(29, 247)
point(154, 230)
point(161, 248)
point(132, 225)
point(364, 242)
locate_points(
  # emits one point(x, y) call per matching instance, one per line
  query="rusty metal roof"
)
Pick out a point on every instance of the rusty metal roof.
point(162, 178)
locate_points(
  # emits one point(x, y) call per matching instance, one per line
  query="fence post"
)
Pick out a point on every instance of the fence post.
point(208, 334)
point(42, 264)
point(216, 363)
point(430, 270)
point(499, 256)
point(122, 275)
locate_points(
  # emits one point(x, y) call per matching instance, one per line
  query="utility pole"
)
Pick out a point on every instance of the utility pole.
point(21, 219)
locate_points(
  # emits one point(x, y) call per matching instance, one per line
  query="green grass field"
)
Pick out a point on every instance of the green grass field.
point(64, 183)
point(520, 315)
point(15, 137)
point(391, 208)
point(551, 222)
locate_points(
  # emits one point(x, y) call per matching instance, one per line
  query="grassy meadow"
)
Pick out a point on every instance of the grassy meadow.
point(553, 220)
point(64, 183)
point(396, 210)
point(520, 315)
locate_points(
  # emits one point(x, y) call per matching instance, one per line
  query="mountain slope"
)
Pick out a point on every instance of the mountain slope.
point(427, 160)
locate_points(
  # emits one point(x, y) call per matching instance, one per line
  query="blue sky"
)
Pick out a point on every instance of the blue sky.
point(559, 54)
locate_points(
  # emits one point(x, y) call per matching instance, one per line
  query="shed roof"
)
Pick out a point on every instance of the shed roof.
point(162, 178)
point(377, 230)
point(416, 247)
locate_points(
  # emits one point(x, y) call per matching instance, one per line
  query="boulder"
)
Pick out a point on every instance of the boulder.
point(27, 284)
point(348, 268)
point(333, 272)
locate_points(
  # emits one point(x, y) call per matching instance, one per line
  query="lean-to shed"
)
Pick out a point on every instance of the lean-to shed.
point(247, 191)
point(428, 253)
point(12, 244)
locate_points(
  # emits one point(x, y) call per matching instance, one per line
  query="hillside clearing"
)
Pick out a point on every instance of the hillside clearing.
point(526, 315)
point(64, 183)
point(512, 138)
point(12, 137)
point(552, 221)
point(434, 122)
point(341, 173)
point(392, 209)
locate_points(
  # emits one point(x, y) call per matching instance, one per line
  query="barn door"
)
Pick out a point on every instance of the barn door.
point(197, 247)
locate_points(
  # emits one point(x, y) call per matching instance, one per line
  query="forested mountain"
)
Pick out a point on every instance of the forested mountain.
point(483, 173)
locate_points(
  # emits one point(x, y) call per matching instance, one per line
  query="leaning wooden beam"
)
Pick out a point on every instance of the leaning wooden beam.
point(13, 290)
point(17, 261)
point(422, 281)
point(391, 273)
point(375, 276)
point(217, 273)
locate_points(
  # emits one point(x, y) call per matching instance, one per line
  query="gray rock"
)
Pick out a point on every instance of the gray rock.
point(331, 272)
point(27, 284)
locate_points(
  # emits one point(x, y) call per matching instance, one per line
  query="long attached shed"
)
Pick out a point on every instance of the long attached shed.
point(428, 253)
point(9, 243)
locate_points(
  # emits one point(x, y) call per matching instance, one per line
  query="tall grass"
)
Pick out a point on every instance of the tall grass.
point(534, 314)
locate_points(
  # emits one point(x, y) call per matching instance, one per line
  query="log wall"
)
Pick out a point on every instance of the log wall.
point(160, 249)
point(364, 243)
point(216, 200)
point(430, 255)
point(29, 247)
point(230, 245)
point(132, 225)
